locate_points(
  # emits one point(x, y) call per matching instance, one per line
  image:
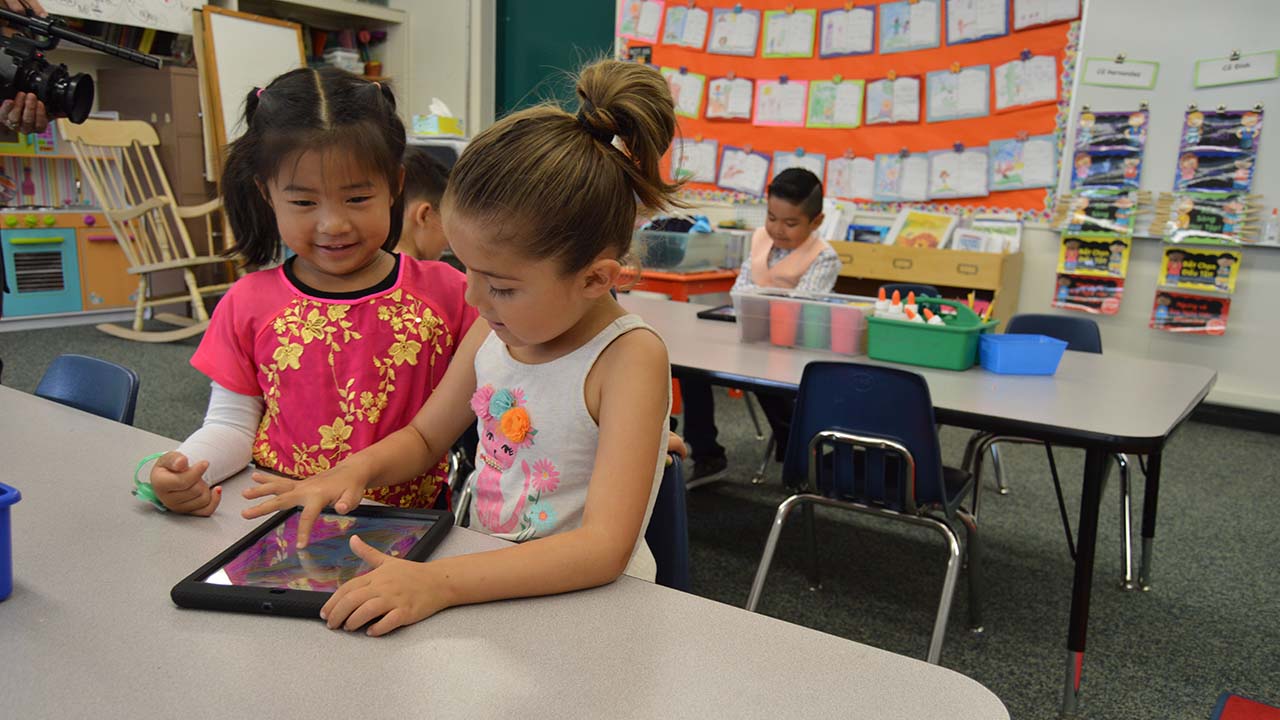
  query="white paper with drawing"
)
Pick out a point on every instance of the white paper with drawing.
point(1037, 12)
point(167, 15)
point(890, 101)
point(779, 103)
point(835, 104)
point(1024, 83)
point(789, 34)
point(686, 90)
point(845, 32)
point(743, 171)
point(973, 19)
point(958, 174)
point(693, 160)
point(729, 98)
point(815, 164)
point(924, 24)
point(734, 33)
point(686, 26)
point(851, 178)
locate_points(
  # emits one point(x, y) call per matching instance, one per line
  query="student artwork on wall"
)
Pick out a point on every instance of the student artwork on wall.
point(835, 103)
point(734, 31)
point(1026, 81)
point(686, 90)
point(957, 93)
point(1208, 269)
point(1195, 314)
point(798, 158)
point(743, 170)
point(780, 103)
point(895, 100)
point(910, 25)
point(1105, 254)
point(1219, 150)
point(1022, 163)
point(960, 172)
point(1030, 13)
point(639, 19)
point(970, 20)
point(851, 178)
point(852, 80)
point(694, 160)
point(730, 98)
point(1096, 295)
point(902, 177)
point(789, 33)
point(686, 26)
point(847, 32)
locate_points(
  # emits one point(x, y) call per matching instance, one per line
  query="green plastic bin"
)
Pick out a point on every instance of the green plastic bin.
point(953, 346)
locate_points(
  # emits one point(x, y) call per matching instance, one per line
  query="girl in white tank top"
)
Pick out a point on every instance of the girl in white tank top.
point(570, 393)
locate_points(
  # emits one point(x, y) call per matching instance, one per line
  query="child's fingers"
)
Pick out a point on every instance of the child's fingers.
point(350, 498)
point(193, 504)
point(310, 513)
point(215, 500)
point(268, 485)
point(367, 552)
point(264, 508)
point(342, 609)
point(369, 610)
point(389, 622)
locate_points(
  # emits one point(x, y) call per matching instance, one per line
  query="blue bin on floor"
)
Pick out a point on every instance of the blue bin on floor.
point(8, 496)
point(1016, 354)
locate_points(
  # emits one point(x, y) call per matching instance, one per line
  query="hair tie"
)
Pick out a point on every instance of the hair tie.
point(259, 93)
point(604, 136)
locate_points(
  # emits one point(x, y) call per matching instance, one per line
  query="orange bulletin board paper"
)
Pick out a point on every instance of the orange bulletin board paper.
point(1056, 40)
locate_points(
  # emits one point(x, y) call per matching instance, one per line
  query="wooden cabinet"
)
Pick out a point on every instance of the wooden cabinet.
point(994, 276)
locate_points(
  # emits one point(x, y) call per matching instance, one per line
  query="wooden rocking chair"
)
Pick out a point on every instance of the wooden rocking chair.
point(119, 160)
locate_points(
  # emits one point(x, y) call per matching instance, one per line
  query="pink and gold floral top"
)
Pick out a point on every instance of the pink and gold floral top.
point(337, 371)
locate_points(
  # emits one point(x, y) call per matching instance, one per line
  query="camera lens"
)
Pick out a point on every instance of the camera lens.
point(72, 94)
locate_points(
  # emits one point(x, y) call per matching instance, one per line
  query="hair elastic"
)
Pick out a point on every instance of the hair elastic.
point(143, 490)
point(604, 136)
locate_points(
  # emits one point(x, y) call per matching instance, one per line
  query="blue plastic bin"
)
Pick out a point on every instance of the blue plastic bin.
point(1016, 354)
point(8, 496)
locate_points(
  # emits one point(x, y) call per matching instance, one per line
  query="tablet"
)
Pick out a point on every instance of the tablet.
point(724, 313)
point(264, 573)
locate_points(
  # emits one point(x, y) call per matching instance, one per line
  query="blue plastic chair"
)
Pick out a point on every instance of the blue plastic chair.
point(668, 533)
point(1081, 335)
point(918, 289)
point(863, 439)
point(95, 386)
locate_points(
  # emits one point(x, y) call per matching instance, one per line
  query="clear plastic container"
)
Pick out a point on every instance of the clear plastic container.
point(687, 252)
point(816, 322)
point(8, 496)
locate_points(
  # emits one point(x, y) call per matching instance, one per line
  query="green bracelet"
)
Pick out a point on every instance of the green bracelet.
point(143, 490)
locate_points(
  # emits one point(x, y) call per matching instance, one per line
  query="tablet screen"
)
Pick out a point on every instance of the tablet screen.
point(327, 562)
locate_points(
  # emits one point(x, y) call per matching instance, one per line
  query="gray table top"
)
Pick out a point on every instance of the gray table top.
point(1104, 395)
point(90, 631)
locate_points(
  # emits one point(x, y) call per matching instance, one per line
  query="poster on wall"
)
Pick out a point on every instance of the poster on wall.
point(1211, 269)
point(1096, 295)
point(1195, 314)
point(1094, 254)
point(1219, 150)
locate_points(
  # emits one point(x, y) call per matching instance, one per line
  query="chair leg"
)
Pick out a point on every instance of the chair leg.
point(758, 478)
point(998, 469)
point(971, 449)
point(751, 410)
point(977, 581)
point(771, 545)
point(197, 301)
point(811, 530)
point(138, 307)
point(1126, 517)
point(948, 592)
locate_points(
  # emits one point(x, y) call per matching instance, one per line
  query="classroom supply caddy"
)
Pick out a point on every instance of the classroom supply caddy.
point(951, 346)
point(792, 319)
point(687, 252)
point(8, 496)
point(1019, 354)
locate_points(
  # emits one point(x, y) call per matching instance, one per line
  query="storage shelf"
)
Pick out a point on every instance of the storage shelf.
point(342, 11)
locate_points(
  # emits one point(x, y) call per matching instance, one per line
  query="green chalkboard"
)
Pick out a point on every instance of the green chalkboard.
point(539, 44)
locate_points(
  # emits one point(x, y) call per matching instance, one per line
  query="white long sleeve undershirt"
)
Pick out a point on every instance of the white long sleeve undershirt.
point(226, 438)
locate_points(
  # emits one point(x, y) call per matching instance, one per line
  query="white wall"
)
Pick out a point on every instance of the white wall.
point(451, 56)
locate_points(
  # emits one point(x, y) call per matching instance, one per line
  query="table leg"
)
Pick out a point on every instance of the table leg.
point(1096, 464)
point(1149, 500)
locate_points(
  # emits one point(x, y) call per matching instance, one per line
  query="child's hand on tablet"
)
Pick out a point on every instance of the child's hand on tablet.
point(396, 590)
point(181, 486)
point(340, 487)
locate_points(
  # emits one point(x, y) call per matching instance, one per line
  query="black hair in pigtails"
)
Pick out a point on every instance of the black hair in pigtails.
point(303, 110)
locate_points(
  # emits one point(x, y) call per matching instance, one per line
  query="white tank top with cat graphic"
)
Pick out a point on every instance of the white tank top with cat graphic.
point(538, 443)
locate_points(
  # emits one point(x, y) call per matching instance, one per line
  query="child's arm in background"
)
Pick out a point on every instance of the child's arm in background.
point(632, 377)
point(401, 456)
point(183, 479)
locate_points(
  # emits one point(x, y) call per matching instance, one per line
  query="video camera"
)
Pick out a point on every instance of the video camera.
point(23, 67)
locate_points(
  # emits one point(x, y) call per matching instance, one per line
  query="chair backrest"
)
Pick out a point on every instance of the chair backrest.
point(869, 401)
point(86, 383)
point(118, 158)
point(1080, 334)
point(668, 533)
point(904, 288)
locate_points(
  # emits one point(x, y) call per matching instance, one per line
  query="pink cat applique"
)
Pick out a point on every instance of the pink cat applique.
point(506, 430)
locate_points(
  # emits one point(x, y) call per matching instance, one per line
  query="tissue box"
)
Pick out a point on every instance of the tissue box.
point(344, 59)
point(436, 125)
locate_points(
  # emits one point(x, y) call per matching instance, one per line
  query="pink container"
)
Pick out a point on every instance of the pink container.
point(848, 329)
point(784, 318)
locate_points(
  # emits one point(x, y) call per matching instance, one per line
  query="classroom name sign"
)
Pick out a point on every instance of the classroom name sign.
point(1238, 69)
point(1107, 72)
